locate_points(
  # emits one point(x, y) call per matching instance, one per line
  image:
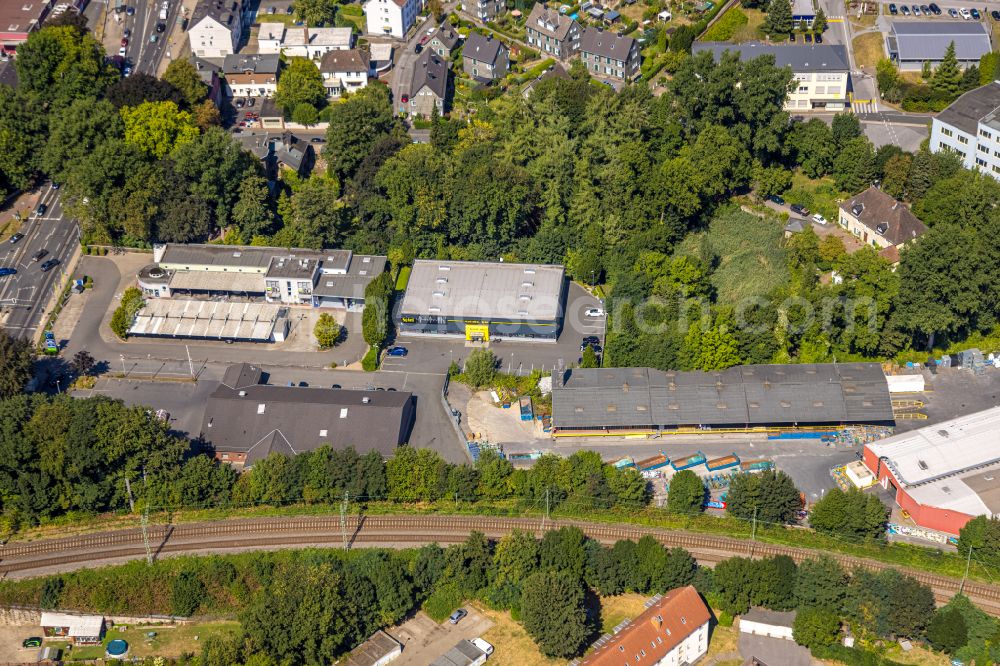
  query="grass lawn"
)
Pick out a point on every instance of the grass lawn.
point(403, 278)
point(170, 640)
point(751, 261)
point(722, 646)
point(868, 49)
point(622, 607)
point(737, 25)
point(751, 30)
point(511, 643)
point(819, 196)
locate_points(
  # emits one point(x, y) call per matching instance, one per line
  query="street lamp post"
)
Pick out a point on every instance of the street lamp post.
point(122, 357)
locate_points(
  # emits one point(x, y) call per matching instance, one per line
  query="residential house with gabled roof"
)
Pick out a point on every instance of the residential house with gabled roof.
point(444, 40)
point(216, 28)
point(345, 71)
point(484, 10)
point(391, 17)
point(429, 85)
point(552, 33)
point(251, 75)
point(485, 58)
point(672, 630)
point(879, 220)
point(610, 55)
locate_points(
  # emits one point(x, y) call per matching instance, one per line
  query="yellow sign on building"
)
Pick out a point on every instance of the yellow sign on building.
point(477, 332)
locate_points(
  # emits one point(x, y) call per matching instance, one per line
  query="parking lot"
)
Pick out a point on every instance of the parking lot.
point(424, 640)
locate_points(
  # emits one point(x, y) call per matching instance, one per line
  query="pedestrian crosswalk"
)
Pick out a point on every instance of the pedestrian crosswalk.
point(864, 106)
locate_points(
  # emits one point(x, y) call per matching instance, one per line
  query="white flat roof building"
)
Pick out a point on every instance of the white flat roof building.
point(483, 289)
point(953, 466)
point(481, 299)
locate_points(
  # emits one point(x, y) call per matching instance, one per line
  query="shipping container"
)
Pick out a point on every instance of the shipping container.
point(688, 461)
point(756, 465)
point(655, 462)
point(725, 462)
point(526, 411)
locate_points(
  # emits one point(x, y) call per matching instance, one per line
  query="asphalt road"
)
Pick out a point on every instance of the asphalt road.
point(23, 296)
point(141, 54)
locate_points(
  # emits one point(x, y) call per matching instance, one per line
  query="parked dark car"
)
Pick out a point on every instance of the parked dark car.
point(893, 9)
point(975, 14)
point(16, 237)
point(904, 10)
point(398, 351)
point(49, 265)
point(32, 642)
point(590, 340)
point(925, 9)
point(799, 209)
point(776, 199)
point(995, 14)
point(935, 9)
point(809, 38)
point(7, 271)
point(819, 38)
point(160, 27)
point(791, 37)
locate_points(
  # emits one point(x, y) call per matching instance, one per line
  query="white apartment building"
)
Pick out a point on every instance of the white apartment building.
point(391, 17)
point(820, 71)
point(672, 631)
point(302, 42)
point(216, 28)
point(970, 128)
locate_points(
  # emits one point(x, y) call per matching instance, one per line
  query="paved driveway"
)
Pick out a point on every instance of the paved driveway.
point(424, 640)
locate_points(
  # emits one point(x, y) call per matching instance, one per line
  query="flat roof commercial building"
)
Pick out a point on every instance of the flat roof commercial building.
point(912, 43)
point(942, 475)
point(320, 278)
point(613, 401)
point(480, 300)
point(245, 420)
point(970, 128)
point(211, 320)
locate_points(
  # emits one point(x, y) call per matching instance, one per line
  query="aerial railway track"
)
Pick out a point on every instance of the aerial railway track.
point(26, 559)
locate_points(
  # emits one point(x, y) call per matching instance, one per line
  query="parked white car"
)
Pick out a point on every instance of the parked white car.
point(594, 312)
point(483, 645)
point(819, 219)
point(964, 12)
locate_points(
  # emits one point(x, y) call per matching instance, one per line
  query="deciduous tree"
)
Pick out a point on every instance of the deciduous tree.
point(300, 83)
point(553, 613)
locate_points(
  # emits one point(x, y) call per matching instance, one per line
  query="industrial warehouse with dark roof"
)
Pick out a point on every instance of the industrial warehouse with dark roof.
point(246, 420)
point(480, 300)
point(613, 400)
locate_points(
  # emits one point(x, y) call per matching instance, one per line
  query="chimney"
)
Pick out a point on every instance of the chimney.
point(656, 621)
